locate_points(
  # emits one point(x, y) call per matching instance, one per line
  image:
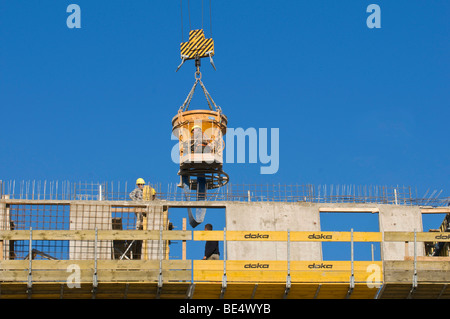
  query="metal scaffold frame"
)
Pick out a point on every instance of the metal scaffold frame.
point(288, 278)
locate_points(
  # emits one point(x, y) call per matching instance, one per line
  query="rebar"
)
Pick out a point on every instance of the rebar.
point(119, 191)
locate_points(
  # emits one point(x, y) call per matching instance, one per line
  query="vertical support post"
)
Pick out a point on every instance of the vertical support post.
point(224, 278)
point(3, 216)
point(30, 263)
point(94, 277)
point(415, 259)
point(288, 277)
point(100, 195)
point(144, 248)
point(160, 277)
point(289, 251)
point(184, 242)
point(352, 275)
point(352, 279)
point(6, 251)
point(225, 251)
point(395, 195)
point(352, 249)
point(414, 279)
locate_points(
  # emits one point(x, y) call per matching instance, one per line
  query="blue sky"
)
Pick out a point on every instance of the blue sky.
point(354, 105)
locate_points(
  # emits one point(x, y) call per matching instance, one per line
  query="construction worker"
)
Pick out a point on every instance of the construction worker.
point(142, 192)
point(138, 195)
point(138, 192)
point(198, 141)
point(211, 247)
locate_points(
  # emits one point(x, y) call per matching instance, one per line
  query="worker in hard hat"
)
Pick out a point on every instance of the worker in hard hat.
point(198, 141)
point(138, 192)
point(142, 191)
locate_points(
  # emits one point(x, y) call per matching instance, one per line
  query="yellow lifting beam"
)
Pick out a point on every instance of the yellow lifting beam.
point(196, 48)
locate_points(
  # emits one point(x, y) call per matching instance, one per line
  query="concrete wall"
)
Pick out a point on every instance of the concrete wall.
point(279, 216)
point(272, 216)
point(400, 218)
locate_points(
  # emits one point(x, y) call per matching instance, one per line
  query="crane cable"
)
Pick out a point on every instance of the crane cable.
point(210, 19)
point(185, 106)
point(189, 17)
point(181, 15)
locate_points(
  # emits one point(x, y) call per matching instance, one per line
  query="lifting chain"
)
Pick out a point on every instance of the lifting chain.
point(198, 79)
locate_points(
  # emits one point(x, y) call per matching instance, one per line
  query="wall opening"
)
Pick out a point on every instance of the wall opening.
point(436, 223)
point(432, 222)
point(360, 222)
point(194, 249)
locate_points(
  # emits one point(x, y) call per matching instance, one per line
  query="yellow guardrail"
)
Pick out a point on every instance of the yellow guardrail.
point(302, 236)
point(342, 278)
point(105, 270)
point(204, 270)
point(312, 236)
point(277, 271)
point(320, 236)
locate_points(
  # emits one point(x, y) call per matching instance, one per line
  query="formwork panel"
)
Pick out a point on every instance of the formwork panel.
point(176, 290)
point(428, 291)
point(270, 291)
point(142, 290)
point(207, 290)
point(395, 291)
point(89, 217)
point(333, 291)
point(111, 291)
point(362, 291)
point(240, 291)
point(17, 290)
point(303, 291)
point(48, 290)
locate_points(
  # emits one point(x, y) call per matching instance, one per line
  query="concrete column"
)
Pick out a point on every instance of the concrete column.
point(4, 219)
point(88, 217)
point(157, 218)
point(400, 218)
point(4, 225)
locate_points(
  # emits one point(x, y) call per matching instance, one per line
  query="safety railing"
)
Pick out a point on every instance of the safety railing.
point(163, 270)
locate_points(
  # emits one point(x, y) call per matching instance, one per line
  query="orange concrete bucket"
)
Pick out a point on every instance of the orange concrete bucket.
point(212, 123)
